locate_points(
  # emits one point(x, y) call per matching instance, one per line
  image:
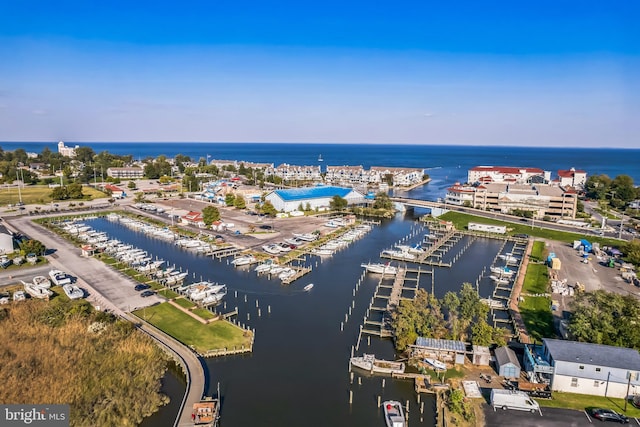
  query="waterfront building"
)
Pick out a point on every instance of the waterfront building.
point(116, 192)
point(67, 151)
point(126, 173)
point(541, 199)
point(508, 174)
point(399, 177)
point(6, 241)
point(584, 368)
point(440, 349)
point(346, 175)
point(507, 364)
point(572, 178)
point(295, 173)
point(316, 197)
point(193, 218)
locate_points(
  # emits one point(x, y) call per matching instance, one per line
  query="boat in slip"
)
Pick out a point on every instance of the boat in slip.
point(393, 413)
point(502, 271)
point(508, 257)
point(244, 260)
point(435, 363)
point(72, 291)
point(493, 303)
point(380, 268)
point(368, 362)
point(206, 412)
point(499, 280)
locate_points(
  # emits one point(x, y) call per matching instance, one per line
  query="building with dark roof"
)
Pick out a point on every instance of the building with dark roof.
point(317, 197)
point(507, 364)
point(585, 368)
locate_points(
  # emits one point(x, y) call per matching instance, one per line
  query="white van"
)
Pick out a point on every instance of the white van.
point(508, 399)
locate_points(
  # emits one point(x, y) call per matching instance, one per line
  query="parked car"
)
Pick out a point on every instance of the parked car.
point(141, 287)
point(608, 415)
point(147, 293)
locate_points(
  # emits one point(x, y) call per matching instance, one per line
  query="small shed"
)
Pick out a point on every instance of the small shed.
point(507, 363)
point(481, 355)
point(556, 264)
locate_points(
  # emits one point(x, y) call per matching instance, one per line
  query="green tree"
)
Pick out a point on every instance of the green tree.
point(32, 247)
point(623, 189)
point(59, 193)
point(84, 154)
point(131, 185)
point(631, 251)
point(74, 191)
point(338, 203)
point(382, 201)
point(597, 187)
point(229, 199)
point(268, 209)
point(210, 214)
point(139, 197)
point(239, 202)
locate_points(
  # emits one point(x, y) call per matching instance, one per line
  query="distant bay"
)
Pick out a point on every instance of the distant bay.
point(446, 164)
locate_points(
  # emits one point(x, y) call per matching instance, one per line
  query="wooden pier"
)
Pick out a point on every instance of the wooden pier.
point(300, 271)
point(224, 252)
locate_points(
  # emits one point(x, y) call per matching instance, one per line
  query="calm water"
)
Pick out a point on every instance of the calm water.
point(298, 372)
point(445, 164)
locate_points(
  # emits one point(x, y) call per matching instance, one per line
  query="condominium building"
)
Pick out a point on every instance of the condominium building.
point(125, 173)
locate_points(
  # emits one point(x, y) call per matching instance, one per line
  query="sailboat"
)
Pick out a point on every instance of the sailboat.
point(320, 158)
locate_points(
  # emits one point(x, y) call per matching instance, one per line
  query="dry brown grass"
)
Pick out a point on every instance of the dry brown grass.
point(108, 379)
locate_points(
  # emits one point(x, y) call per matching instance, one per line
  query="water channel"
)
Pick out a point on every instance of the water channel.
point(298, 373)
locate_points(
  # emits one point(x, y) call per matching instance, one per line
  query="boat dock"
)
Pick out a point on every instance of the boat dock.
point(300, 271)
point(224, 252)
point(386, 299)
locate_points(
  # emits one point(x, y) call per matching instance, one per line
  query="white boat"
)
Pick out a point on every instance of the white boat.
point(59, 278)
point(508, 257)
point(320, 158)
point(19, 296)
point(436, 364)
point(368, 362)
point(287, 273)
point(393, 414)
point(307, 237)
point(18, 260)
point(379, 268)
point(73, 292)
point(244, 260)
point(399, 254)
point(321, 252)
point(493, 303)
point(308, 287)
point(272, 249)
point(42, 282)
point(499, 280)
point(32, 258)
point(37, 292)
point(265, 266)
point(503, 271)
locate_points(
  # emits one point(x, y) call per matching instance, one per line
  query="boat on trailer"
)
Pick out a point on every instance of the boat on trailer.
point(435, 363)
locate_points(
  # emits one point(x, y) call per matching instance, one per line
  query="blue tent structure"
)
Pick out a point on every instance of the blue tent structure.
point(587, 245)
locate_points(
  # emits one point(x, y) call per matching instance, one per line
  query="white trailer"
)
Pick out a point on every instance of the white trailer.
point(509, 399)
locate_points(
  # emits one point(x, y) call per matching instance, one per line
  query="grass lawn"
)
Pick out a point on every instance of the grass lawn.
point(204, 313)
point(461, 221)
point(183, 302)
point(216, 335)
point(168, 293)
point(34, 194)
point(537, 317)
point(537, 251)
point(536, 279)
point(582, 401)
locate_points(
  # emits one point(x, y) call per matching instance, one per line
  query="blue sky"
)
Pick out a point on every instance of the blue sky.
point(495, 73)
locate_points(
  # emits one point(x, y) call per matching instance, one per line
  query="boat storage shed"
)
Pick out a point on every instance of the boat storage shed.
point(444, 350)
point(507, 363)
point(317, 197)
point(6, 241)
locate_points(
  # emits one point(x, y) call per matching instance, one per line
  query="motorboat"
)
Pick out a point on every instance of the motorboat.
point(206, 412)
point(508, 257)
point(368, 362)
point(42, 282)
point(59, 278)
point(393, 413)
point(503, 271)
point(19, 296)
point(399, 254)
point(499, 280)
point(287, 273)
point(73, 292)
point(272, 249)
point(36, 291)
point(307, 237)
point(379, 268)
point(436, 364)
point(493, 303)
point(321, 252)
point(244, 260)
point(308, 287)
point(265, 266)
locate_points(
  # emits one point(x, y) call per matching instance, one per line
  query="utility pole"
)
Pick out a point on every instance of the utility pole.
point(19, 192)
